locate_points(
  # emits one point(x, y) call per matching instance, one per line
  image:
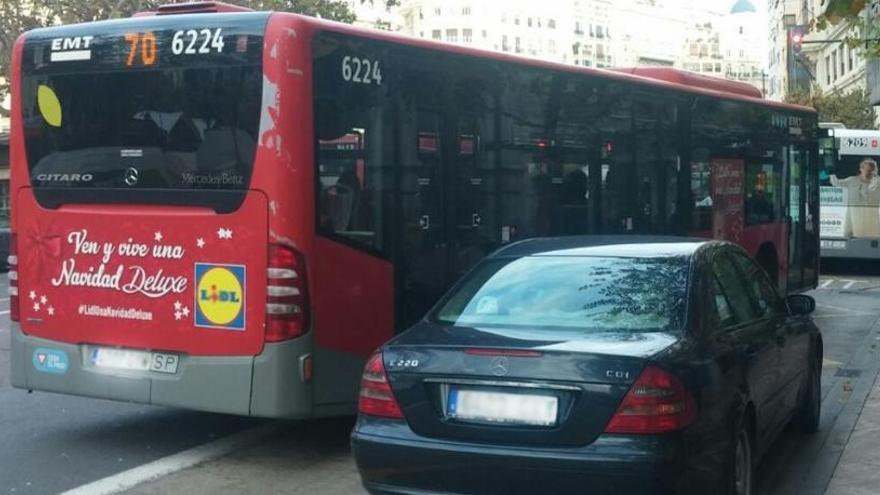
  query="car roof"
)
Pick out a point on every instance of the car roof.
point(632, 246)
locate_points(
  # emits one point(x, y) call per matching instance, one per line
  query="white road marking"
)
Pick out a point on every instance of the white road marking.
point(845, 310)
point(6, 312)
point(176, 462)
point(848, 283)
point(4, 299)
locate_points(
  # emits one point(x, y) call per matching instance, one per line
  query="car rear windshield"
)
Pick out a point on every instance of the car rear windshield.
point(568, 292)
point(131, 108)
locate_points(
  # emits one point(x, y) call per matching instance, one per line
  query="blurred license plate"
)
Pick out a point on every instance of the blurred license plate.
point(500, 407)
point(833, 244)
point(122, 359)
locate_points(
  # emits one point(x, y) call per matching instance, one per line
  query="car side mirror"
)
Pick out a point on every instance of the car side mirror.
point(800, 304)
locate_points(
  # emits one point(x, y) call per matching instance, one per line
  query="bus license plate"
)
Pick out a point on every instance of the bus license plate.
point(500, 407)
point(123, 359)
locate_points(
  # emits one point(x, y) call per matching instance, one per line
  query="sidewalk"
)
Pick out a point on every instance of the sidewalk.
point(858, 471)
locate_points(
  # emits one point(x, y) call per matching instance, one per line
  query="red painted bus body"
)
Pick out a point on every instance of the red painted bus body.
point(265, 298)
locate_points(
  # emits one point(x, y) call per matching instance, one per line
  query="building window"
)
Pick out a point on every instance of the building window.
point(551, 23)
point(578, 27)
point(828, 70)
point(551, 46)
point(834, 65)
point(466, 35)
point(517, 45)
point(438, 11)
point(529, 22)
point(436, 34)
point(850, 52)
point(504, 46)
point(465, 11)
point(599, 33)
point(516, 20)
point(452, 35)
point(842, 61)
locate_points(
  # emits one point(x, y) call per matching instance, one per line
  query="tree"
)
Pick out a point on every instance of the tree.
point(17, 16)
point(861, 16)
point(852, 109)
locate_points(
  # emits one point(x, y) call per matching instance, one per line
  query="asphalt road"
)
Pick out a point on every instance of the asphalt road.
point(52, 443)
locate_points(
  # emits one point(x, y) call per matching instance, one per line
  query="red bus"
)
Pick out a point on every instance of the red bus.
point(230, 211)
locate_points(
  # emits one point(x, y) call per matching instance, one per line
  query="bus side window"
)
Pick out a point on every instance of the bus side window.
point(763, 190)
point(701, 190)
point(354, 132)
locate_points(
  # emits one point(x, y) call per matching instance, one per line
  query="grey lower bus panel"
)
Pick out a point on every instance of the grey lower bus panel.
point(267, 385)
point(850, 248)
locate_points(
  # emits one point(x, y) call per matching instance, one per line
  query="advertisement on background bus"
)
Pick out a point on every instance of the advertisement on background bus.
point(850, 194)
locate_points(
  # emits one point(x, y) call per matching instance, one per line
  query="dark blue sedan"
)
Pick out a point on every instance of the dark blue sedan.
point(592, 366)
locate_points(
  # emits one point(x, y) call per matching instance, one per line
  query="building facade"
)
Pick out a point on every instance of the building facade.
point(602, 33)
point(824, 62)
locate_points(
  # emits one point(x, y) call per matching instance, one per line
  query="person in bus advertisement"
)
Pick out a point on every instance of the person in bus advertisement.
point(863, 200)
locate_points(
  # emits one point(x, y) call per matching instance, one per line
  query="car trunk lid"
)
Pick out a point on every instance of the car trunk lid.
point(580, 380)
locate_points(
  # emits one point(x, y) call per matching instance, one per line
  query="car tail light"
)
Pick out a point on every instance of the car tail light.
point(658, 402)
point(376, 398)
point(12, 260)
point(287, 301)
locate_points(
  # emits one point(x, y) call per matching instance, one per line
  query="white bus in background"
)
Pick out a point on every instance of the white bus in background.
point(849, 204)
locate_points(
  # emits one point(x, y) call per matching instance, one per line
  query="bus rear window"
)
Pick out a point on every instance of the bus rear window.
point(179, 123)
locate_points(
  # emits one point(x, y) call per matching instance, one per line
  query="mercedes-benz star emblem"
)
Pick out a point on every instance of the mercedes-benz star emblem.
point(131, 176)
point(499, 366)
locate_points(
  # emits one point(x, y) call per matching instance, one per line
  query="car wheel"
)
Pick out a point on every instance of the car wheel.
point(741, 464)
point(811, 407)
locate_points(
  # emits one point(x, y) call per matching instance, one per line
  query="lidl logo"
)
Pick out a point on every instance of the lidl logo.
point(220, 296)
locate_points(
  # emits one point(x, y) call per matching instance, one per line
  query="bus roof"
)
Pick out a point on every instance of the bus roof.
point(669, 78)
point(664, 78)
point(854, 133)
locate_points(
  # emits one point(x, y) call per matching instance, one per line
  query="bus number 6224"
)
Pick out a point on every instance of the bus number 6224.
point(361, 70)
point(187, 42)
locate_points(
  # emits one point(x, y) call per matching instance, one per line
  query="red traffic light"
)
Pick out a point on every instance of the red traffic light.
point(797, 38)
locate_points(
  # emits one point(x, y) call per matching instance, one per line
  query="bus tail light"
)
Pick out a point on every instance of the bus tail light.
point(287, 301)
point(12, 260)
point(658, 402)
point(376, 397)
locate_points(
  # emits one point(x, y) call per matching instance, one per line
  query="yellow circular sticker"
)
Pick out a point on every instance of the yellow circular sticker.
point(50, 106)
point(220, 296)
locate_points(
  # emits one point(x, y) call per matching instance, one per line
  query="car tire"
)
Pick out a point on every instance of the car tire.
point(741, 464)
point(810, 412)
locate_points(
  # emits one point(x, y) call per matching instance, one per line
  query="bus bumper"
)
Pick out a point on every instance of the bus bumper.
point(850, 248)
point(267, 385)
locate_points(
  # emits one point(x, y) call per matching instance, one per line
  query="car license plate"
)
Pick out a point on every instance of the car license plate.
point(833, 244)
point(501, 407)
point(123, 359)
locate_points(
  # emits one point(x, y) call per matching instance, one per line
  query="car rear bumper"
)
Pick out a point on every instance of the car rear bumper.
point(394, 460)
point(266, 385)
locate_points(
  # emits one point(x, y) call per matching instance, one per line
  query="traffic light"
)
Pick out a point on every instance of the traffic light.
point(795, 40)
